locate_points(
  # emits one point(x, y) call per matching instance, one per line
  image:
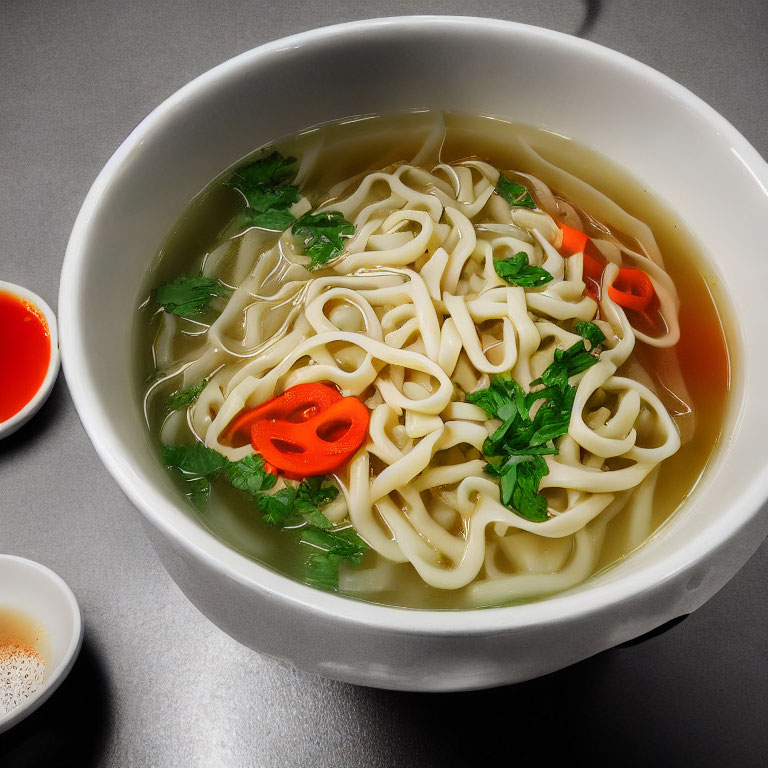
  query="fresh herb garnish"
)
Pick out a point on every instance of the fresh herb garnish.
point(335, 546)
point(516, 448)
point(185, 397)
point(198, 465)
point(519, 478)
point(299, 509)
point(292, 506)
point(515, 194)
point(516, 270)
point(311, 495)
point(269, 171)
point(189, 296)
point(274, 220)
point(591, 332)
point(567, 363)
point(294, 509)
point(249, 475)
point(278, 508)
point(503, 393)
point(323, 235)
point(196, 459)
point(265, 186)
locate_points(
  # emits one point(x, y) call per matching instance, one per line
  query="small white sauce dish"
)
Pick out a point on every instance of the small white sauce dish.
point(9, 426)
point(42, 596)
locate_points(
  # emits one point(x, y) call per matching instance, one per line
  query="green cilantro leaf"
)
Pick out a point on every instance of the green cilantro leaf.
point(189, 296)
point(278, 508)
point(264, 199)
point(526, 498)
point(591, 332)
point(515, 194)
point(316, 518)
point(264, 185)
point(323, 235)
point(196, 459)
point(567, 363)
point(249, 475)
point(274, 220)
point(297, 510)
point(291, 506)
point(503, 391)
point(197, 491)
point(185, 397)
point(313, 494)
point(343, 542)
point(517, 271)
point(268, 171)
point(516, 449)
point(322, 570)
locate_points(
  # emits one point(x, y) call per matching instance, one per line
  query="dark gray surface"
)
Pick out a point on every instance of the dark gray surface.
point(156, 684)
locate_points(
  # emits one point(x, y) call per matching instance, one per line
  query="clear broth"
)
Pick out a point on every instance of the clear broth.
point(360, 145)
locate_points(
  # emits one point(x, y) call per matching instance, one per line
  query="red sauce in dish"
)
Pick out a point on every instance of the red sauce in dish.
point(25, 352)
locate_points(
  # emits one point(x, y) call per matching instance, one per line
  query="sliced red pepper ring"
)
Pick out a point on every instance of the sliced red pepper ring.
point(573, 240)
point(317, 446)
point(632, 289)
point(296, 404)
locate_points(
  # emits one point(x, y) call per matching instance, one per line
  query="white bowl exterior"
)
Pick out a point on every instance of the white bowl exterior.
point(686, 153)
point(44, 597)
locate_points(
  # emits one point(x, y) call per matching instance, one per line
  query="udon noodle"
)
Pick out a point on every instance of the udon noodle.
point(412, 318)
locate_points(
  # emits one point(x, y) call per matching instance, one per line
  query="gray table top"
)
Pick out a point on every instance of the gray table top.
point(156, 683)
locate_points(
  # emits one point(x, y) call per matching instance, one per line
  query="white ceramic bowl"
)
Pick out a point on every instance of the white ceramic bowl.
point(43, 597)
point(639, 118)
point(9, 426)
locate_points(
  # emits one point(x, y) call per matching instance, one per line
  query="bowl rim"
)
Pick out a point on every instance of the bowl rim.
point(203, 545)
point(58, 673)
point(9, 426)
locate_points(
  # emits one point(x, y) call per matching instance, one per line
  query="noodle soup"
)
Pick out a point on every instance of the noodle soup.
point(431, 360)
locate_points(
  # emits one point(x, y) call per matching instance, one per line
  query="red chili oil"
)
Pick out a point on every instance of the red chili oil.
point(25, 352)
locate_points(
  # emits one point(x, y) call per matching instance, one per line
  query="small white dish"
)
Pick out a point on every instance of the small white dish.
point(9, 426)
point(41, 595)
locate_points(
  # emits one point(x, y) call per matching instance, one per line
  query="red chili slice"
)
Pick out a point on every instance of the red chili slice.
point(632, 289)
point(296, 404)
point(573, 240)
point(321, 444)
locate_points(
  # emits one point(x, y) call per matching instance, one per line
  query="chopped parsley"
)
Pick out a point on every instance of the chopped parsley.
point(297, 509)
point(515, 450)
point(333, 547)
point(516, 270)
point(515, 194)
point(269, 171)
point(265, 185)
point(272, 219)
point(592, 333)
point(196, 459)
point(567, 363)
point(189, 296)
point(249, 475)
point(185, 397)
point(323, 235)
